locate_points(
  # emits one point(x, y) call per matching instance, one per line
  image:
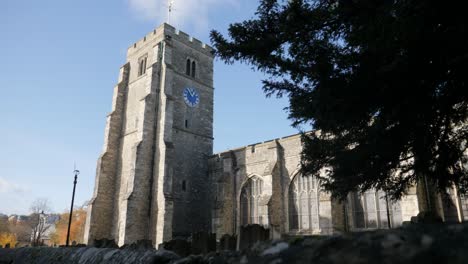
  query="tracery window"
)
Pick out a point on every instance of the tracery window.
point(303, 204)
point(464, 207)
point(369, 211)
point(253, 209)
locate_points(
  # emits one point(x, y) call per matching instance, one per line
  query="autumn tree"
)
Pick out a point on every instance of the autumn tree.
point(8, 238)
point(77, 227)
point(19, 226)
point(22, 231)
point(384, 83)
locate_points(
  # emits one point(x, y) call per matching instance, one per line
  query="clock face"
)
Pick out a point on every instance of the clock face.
point(191, 97)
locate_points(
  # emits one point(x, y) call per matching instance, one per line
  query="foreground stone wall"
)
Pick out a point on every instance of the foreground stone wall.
point(86, 255)
point(415, 244)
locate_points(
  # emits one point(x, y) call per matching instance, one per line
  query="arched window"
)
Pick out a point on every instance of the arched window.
point(303, 204)
point(373, 210)
point(142, 66)
point(253, 208)
point(187, 67)
point(464, 207)
point(193, 69)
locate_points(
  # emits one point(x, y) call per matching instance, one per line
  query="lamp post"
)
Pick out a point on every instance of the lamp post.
point(71, 208)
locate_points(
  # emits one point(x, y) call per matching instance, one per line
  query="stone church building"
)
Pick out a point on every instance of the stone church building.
point(157, 177)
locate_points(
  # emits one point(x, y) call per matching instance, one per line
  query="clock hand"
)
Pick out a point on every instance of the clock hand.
point(190, 96)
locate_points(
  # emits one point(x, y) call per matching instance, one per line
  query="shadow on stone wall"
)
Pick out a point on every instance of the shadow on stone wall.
point(227, 242)
point(251, 234)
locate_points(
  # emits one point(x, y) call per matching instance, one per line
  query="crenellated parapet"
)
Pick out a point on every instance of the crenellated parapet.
point(252, 147)
point(168, 32)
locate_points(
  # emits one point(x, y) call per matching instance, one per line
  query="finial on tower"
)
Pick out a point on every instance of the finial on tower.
point(170, 4)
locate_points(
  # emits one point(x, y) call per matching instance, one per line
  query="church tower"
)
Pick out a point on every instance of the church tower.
point(152, 177)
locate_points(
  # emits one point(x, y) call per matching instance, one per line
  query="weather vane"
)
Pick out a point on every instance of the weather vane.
point(170, 4)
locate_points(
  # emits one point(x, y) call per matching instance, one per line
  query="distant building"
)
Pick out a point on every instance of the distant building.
point(15, 219)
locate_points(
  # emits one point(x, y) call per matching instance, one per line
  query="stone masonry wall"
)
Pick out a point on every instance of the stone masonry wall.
point(187, 148)
point(99, 217)
point(277, 163)
point(148, 152)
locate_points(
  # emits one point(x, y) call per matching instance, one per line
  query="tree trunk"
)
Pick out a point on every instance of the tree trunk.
point(426, 191)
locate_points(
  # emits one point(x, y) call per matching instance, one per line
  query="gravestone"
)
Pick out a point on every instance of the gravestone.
point(227, 242)
point(105, 243)
point(179, 246)
point(203, 242)
point(251, 234)
point(143, 244)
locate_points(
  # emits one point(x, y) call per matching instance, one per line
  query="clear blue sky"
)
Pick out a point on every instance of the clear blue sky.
point(60, 62)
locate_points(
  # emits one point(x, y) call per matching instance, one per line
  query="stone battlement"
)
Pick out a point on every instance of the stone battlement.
point(174, 33)
point(220, 154)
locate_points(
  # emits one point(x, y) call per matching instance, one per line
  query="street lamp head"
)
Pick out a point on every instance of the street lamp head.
point(77, 172)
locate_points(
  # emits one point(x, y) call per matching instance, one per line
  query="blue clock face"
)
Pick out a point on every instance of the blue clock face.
point(191, 97)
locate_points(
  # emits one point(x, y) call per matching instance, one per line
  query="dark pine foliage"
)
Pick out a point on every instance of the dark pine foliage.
point(384, 83)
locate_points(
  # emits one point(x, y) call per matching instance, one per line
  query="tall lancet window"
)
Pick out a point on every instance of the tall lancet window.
point(253, 209)
point(187, 67)
point(303, 204)
point(372, 210)
point(142, 65)
point(194, 67)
